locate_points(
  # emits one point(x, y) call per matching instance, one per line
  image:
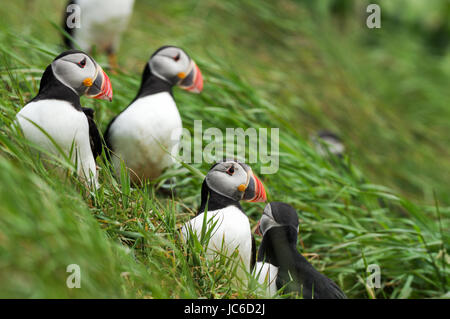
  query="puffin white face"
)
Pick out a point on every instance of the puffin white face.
point(328, 143)
point(82, 74)
point(267, 221)
point(236, 181)
point(173, 65)
point(277, 214)
point(333, 146)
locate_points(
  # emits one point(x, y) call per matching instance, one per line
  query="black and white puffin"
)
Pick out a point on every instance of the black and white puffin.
point(57, 110)
point(279, 264)
point(148, 131)
point(326, 142)
point(226, 184)
point(101, 24)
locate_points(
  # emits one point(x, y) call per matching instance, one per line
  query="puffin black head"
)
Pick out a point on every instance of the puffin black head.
point(174, 66)
point(277, 214)
point(236, 181)
point(79, 72)
point(327, 142)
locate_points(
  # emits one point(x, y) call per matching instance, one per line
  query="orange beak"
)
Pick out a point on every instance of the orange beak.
point(255, 191)
point(193, 82)
point(101, 87)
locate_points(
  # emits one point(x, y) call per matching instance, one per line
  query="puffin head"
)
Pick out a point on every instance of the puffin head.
point(277, 214)
point(327, 142)
point(174, 66)
point(235, 180)
point(78, 71)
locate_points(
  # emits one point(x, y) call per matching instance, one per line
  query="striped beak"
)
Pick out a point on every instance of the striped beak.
point(100, 88)
point(193, 81)
point(255, 191)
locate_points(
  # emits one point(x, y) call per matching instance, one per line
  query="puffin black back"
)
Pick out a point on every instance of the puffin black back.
point(279, 226)
point(94, 134)
point(296, 276)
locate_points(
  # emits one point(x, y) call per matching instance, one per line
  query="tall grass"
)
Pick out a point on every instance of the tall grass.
point(284, 65)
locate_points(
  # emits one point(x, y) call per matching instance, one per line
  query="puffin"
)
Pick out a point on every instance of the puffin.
point(56, 111)
point(147, 133)
point(280, 265)
point(101, 24)
point(326, 142)
point(227, 183)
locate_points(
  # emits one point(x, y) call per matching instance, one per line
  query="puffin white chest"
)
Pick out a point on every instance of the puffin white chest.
point(232, 231)
point(102, 22)
point(266, 274)
point(66, 126)
point(145, 135)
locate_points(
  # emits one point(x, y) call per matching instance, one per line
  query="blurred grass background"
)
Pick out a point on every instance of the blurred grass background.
point(298, 65)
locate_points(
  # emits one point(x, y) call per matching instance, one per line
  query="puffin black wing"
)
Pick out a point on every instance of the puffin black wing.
point(253, 257)
point(67, 41)
point(295, 274)
point(94, 135)
point(313, 284)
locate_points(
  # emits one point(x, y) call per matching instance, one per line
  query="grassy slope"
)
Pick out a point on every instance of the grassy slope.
point(384, 99)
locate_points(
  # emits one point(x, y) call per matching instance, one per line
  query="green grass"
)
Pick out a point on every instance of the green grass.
point(283, 65)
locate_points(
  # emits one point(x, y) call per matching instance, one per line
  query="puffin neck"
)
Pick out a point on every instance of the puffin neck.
point(151, 84)
point(52, 89)
point(278, 247)
point(215, 200)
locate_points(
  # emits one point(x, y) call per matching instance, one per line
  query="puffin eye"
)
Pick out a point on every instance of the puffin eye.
point(230, 171)
point(82, 63)
point(176, 58)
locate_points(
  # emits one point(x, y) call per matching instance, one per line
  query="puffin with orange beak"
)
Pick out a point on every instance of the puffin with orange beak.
point(226, 184)
point(57, 110)
point(146, 135)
